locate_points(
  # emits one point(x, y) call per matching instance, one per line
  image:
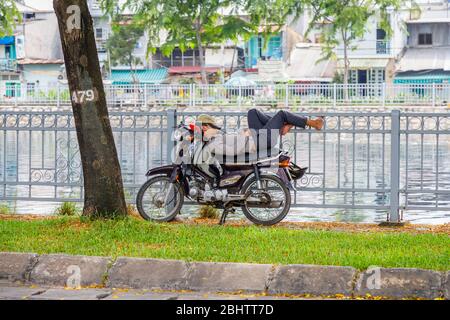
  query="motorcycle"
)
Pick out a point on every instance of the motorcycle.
point(263, 196)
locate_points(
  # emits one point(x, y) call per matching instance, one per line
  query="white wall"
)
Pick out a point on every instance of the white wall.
point(42, 39)
point(46, 74)
point(440, 33)
point(366, 47)
point(214, 57)
point(2, 52)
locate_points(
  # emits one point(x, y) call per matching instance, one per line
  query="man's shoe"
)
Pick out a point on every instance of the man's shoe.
point(317, 123)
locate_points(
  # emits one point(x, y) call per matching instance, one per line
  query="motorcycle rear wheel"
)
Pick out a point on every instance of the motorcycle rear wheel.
point(274, 188)
point(159, 200)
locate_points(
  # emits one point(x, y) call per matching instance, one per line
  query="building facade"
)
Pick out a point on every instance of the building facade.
point(418, 51)
point(426, 58)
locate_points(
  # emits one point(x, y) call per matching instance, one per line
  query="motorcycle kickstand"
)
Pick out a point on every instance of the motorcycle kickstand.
point(225, 213)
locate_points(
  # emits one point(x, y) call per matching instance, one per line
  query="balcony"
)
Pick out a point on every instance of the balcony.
point(101, 45)
point(383, 47)
point(8, 65)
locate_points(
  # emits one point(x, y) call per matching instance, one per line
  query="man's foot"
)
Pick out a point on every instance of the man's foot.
point(316, 123)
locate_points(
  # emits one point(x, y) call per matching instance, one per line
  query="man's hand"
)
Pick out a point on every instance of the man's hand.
point(285, 129)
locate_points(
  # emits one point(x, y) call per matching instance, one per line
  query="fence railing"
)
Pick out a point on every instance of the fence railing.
point(8, 65)
point(279, 95)
point(390, 162)
point(383, 47)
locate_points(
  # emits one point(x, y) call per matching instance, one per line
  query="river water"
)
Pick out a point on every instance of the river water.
point(335, 161)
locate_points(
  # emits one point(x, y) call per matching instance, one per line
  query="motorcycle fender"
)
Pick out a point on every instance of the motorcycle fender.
point(264, 172)
point(170, 171)
point(165, 170)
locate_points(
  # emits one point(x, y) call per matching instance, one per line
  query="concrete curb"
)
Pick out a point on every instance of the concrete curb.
point(400, 283)
point(446, 285)
point(227, 277)
point(138, 273)
point(310, 279)
point(15, 266)
point(65, 270)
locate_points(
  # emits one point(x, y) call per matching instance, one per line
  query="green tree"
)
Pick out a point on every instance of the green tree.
point(344, 21)
point(188, 23)
point(102, 177)
point(8, 17)
point(122, 43)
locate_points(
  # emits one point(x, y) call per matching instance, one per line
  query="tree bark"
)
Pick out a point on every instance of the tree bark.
point(202, 54)
point(103, 187)
point(346, 65)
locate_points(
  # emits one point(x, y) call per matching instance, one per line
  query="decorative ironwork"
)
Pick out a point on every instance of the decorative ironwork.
point(352, 155)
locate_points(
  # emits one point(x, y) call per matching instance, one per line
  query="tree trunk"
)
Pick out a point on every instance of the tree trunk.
point(134, 83)
point(103, 188)
point(346, 70)
point(201, 52)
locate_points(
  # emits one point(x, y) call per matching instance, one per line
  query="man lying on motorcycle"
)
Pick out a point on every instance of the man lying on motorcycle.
point(263, 134)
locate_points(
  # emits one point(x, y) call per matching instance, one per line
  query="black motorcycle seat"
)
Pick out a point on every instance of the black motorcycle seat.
point(247, 158)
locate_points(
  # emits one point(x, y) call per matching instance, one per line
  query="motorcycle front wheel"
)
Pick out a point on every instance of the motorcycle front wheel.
point(269, 205)
point(159, 199)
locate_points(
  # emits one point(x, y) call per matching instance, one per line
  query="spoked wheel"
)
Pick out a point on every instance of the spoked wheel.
point(159, 200)
point(269, 205)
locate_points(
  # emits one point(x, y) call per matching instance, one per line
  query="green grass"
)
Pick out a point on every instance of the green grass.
point(67, 209)
point(4, 209)
point(137, 238)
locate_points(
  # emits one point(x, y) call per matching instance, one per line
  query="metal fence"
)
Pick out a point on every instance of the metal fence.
point(286, 95)
point(384, 161)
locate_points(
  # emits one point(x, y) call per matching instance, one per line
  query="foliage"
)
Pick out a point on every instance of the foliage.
point(208, 212)
point(182, 19)
point(210, 242)
point(4, 209)
point(67, 209)
point(122, 42)
point(189, 80)
point(132, 211)
point(338, 77)
point(346, 21)
point(9, 15)
point(193, 24)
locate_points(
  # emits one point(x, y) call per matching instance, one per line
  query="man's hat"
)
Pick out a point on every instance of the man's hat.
point(206, 119)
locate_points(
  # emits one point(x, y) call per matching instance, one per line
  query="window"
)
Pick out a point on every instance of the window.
point(176, 59)
point(381, 34)
point(425, 39)
point(29, 16)
point(99, 33)
point(31, 88)
point(382, 45)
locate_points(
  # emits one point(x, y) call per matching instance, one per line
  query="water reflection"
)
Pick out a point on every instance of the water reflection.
point(50, 160)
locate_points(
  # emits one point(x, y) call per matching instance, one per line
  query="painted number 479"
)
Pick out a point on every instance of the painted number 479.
point(83, 96)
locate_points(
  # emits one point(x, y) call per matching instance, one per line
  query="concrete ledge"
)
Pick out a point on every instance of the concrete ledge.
point(72, 271)
point(147, 274)
point(14, 266)
point(228, 277)
point(309, 279)
point(399, 283)
point(446, 285)
point(138, 273)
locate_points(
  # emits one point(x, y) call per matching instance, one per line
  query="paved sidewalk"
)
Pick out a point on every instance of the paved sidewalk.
point(10, 291)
